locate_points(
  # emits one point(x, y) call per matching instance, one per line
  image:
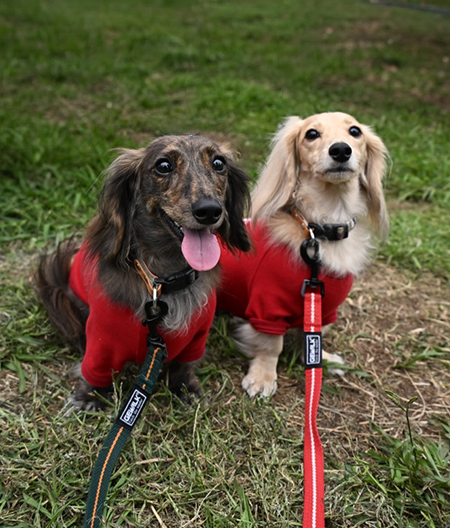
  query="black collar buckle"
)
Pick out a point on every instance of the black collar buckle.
point(178, 281)
point(332, 232)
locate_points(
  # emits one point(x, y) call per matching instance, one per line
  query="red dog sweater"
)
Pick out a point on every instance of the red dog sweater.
point(264, 286)
point(114, 335)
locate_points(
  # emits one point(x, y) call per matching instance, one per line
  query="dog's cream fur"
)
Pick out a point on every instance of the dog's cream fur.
point(301, 173)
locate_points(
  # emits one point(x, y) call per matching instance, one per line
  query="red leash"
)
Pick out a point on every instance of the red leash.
point(313, 466)
point(313, 509)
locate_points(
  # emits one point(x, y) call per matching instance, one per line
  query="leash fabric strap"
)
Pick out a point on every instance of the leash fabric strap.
point(313, 465)
point(121, 430)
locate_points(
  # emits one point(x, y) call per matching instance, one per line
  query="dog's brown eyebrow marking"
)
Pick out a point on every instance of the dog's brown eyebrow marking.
point(191, 157)
point(171, 152)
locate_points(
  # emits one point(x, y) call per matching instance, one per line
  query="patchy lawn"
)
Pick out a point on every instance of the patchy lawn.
point(79, 79)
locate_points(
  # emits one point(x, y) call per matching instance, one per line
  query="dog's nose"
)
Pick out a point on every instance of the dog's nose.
point(207, 211)
point(340, 152)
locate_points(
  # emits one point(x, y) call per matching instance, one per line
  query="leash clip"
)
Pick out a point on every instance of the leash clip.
point(310, 245)
point(314, 262)
point(313, 283)
point(156, 294)
point(155, 310)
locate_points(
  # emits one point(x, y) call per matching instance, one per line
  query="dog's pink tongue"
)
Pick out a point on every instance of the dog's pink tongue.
point(200, 248)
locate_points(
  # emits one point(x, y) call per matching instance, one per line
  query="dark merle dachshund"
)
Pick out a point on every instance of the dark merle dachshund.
point(163, 204)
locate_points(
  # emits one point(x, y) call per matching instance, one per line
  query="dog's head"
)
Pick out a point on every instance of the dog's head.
point(178, 192)
point(331, 152)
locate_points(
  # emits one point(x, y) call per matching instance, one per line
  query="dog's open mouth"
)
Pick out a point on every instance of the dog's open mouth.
point(175, 227)
point(200, 247)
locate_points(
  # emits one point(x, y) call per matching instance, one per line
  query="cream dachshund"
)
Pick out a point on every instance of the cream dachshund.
point(324, 175)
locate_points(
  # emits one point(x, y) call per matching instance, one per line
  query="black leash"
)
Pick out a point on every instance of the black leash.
point(139, 395)
point(127, 417)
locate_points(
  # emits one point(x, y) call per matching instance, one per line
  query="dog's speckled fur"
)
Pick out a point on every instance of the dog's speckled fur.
point(132, 222)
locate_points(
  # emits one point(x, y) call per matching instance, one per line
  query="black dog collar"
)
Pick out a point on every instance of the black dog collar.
point(159, 286)
point(331, 232)
point(178, 281)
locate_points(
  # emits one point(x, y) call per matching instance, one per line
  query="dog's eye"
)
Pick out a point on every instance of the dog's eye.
point(218, 165)
point(312, 134)
point(355, 131)
point(163, 167)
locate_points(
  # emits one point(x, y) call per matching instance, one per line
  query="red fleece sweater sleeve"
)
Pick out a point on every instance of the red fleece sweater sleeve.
point(276, 303)
point(265, 286)
point(114, 336)
point(271, 300)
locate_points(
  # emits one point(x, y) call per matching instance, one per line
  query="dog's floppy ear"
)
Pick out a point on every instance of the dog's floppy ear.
point(372, 181)
point(237, 203)
point(110, 234)
point(278, 179)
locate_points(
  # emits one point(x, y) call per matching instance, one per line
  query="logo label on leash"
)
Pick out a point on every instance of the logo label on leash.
point(313, 350)
point(133, 408)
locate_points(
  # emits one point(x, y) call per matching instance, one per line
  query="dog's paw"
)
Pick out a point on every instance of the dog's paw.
point(183, 382)
point(334, 358)
point(76, 404)
point(261, 379)
point(89, 399)
point(189, 393)
point(258, 387)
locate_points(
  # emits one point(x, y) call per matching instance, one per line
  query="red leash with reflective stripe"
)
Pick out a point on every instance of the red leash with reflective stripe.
point(313, 291)
point(313, 467)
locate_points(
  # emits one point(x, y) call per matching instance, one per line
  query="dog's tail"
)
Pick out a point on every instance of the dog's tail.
point(67, 313)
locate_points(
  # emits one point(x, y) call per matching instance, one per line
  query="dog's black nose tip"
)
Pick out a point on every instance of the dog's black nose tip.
point(207, 211)
point(340, 152)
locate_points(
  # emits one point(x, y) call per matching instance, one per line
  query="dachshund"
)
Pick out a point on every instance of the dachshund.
point(324, 174)
point(167, 205)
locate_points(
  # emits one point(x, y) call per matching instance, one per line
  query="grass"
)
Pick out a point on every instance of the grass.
point(81, 78)
point(97, 86)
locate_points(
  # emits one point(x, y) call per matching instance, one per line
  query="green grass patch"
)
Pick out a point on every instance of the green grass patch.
point(79, 79)
point(77, 83)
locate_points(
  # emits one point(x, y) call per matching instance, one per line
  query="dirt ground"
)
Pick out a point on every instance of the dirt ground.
point(394, 335)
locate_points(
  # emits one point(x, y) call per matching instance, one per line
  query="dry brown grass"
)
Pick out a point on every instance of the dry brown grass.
point(393, 333)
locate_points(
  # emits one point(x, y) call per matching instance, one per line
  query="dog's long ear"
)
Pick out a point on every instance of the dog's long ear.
point(237, 203)
point(372, 182)
point(278, 179)
point(110, 234)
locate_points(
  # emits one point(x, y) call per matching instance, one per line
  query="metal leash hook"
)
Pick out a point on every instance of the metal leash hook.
point(155, 311)
point(155, 297)
point(311, 245)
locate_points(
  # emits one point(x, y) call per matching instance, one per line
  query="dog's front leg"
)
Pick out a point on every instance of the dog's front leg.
point(332, 358)
point(264, 349)
point(183, 381)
